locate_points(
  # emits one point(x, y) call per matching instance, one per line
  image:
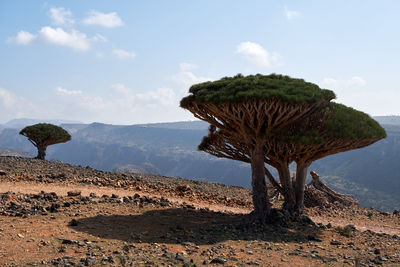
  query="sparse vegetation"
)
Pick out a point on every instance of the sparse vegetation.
point(346, 231)
point(370, 214)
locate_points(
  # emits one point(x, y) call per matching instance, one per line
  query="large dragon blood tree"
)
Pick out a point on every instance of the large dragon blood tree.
point(334, 129)
point(42, 135)
point(248, 109)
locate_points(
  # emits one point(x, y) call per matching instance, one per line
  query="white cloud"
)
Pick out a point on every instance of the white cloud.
point(13, 106)
point(99, 54)
point(162, 96)
point(99, 38)
point(120, 104)
point(7, 99)
point(61, 16)
point(187, 78)
point(121, 88)
point(352, 92)
point(57, 36)
point(359, 94)
point(257, 55)
point(187, 66)
point(123, 54)
point(291, 14)
point(108, 20)
point(22, 38)
point(63, 91)
point(75, 39)
point(354, 81)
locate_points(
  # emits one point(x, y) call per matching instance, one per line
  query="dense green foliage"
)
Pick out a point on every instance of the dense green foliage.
point(44, 134)
point(347, 123)
point(336, 121)
point(238, 88)
point(302, 136)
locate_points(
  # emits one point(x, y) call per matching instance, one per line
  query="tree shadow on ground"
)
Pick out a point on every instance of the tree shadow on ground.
point(198, 226)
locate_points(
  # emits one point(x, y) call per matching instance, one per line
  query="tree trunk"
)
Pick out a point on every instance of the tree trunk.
point(262, 206)
point(41, 152)
point(288, 192)
point(301, 176)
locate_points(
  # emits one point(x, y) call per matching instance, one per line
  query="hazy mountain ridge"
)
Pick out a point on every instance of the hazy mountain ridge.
point(171, 149)
point(22, 122)
point(13, 153)
point(388, 120)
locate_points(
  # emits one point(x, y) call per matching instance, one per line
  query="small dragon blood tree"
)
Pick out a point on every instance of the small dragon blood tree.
point(42, 135)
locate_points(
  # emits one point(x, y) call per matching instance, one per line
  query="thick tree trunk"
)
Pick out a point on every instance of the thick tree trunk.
point(287, 186)
point(301, 176)
point(262, 206)
point(41, 152)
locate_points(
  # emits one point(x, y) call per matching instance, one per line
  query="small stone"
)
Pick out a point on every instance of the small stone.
point(313, 238)
point(74, 193)
point(218, 261)
point(180, 257)
point(168, 255)
point(382, 258)
point(67, 242)
point(73, 222)
point(110, 259)
point(336, 243)
point(377, 251)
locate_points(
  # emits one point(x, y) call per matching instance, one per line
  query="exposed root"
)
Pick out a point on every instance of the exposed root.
point(318, 194)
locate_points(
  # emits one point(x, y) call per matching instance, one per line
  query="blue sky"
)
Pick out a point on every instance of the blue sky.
point(126, 62)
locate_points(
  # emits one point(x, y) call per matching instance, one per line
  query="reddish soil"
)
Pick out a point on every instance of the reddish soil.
point(193, 224)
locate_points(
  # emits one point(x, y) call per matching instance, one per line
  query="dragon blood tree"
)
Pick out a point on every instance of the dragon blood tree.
point(220, 144)
point(42, 135)
point(334, 129)
point(248, 108)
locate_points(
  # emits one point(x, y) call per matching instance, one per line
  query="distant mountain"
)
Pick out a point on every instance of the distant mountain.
point(13, 153)
point(388, 120)
point(182, 125)
point(373, 168)
point(170, 149)
point(22, 122)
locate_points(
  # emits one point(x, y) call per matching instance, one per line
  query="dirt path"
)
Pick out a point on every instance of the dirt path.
point(62, 189)
point(362, 226)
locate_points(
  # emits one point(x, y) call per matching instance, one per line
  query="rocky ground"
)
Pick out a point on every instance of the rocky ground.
point(55, 214)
